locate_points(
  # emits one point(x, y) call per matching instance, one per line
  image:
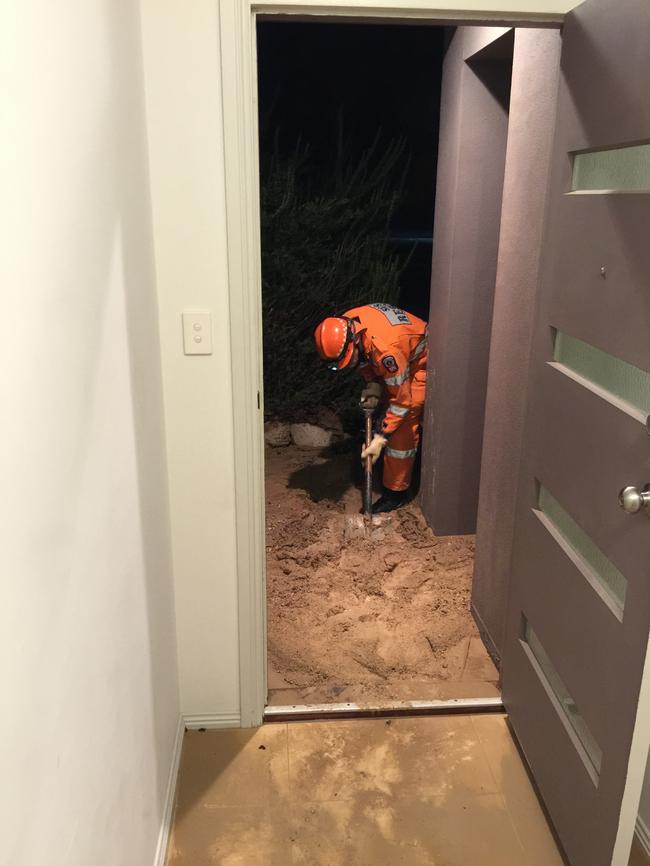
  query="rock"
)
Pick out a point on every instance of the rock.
point(310, 436)
point(392, 559)
point(277, 434)
point(329, 420)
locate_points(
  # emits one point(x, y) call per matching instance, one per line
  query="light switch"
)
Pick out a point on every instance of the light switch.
point(197, 333)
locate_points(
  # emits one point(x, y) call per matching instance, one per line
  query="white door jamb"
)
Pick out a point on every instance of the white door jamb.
point(239, 93)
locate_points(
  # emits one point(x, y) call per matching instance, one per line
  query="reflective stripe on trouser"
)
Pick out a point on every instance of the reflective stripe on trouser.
point(399, 454)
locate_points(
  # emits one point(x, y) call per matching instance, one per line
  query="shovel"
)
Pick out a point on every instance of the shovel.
point(367, 481)
point(359, 526)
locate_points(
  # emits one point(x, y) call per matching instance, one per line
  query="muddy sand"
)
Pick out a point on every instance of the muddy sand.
point(352, 617)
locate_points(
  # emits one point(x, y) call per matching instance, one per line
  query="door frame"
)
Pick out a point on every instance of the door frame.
point(237, 20)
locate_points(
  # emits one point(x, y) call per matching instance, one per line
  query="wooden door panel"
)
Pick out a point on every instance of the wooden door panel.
point(559, 770)
point(583, 444)
point(585, 450)
point(606, 69)
point(587, 652)
point(582, 817)
point(610, 231)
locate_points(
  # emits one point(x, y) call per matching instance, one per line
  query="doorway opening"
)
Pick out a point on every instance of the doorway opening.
point(349, 119)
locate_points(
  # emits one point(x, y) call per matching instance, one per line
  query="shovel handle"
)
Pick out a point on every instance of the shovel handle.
point(367, 481)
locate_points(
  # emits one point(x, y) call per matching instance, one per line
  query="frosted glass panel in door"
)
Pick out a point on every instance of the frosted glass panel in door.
point(565, 704)
point(596, 567)
point(621, 379)
point(624, 169)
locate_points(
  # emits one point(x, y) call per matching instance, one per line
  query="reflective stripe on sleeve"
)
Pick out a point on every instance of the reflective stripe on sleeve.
point(400, 411)
point(421, 346)
point(396, 381)
point(401, 455)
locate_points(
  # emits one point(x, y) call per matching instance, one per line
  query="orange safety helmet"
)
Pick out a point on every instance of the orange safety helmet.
point(335, 341)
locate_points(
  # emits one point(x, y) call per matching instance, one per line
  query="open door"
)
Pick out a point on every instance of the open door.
point(579, 605)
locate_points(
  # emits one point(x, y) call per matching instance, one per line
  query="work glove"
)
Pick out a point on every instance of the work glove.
point(374, 449)
point(370, 396)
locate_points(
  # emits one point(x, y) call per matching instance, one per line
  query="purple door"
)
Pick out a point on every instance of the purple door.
point(579, 604)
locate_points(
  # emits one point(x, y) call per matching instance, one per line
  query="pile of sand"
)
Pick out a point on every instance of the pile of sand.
point(358, 611)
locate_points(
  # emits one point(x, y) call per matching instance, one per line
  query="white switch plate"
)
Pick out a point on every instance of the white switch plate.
point(197, 333)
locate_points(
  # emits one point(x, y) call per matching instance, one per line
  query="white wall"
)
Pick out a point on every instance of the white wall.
point(183, 89)
point(87, 651)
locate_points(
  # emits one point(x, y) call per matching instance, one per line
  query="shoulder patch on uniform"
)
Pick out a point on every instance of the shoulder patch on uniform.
point(390, 364)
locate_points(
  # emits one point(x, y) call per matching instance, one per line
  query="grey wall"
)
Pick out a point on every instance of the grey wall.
point(473, 129)
point(532, 113)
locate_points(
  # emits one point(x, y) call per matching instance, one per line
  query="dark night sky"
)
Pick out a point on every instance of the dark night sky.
point(375, 77)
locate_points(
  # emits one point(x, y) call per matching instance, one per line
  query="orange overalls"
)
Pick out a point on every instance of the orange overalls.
point(394, 351)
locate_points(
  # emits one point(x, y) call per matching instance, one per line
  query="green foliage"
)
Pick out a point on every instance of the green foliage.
point(324, 250)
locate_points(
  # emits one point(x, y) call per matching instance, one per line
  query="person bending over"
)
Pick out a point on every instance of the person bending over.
point(388, 346)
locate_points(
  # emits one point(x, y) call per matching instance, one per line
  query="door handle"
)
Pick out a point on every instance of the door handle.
point(632, 500)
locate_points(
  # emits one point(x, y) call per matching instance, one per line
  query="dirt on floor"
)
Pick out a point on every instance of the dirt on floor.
point(349, 605)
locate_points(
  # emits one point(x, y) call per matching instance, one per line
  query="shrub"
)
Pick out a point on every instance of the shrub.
point(324, 250)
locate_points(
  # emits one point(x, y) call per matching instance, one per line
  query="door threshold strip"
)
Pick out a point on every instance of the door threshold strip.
point(388, 709)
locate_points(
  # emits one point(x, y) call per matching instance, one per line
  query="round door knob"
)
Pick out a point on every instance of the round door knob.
point(633, 500)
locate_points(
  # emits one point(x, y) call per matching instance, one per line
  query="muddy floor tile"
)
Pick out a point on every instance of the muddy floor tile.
point(448, 831)
point(361, 831)
point(402, 690)
point(517, 790)
point(456, 689)
point(344, 759)
point(233, 768)
point(285, 697)
point(450, 741)
point(637, 857)
point(231, 836)
point(386, 758)
point(479, 665)
point(457, 658)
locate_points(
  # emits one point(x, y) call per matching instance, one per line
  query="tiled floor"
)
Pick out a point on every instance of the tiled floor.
point(637, 857)
point(477, 678)
point(440, 791)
